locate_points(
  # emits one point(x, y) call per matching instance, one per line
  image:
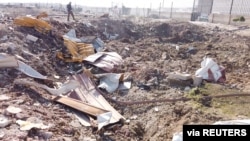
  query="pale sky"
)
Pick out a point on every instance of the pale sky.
point(108, 3)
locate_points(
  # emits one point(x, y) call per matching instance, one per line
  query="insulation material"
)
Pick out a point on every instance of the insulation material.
point(77, 50)
point(28, 21)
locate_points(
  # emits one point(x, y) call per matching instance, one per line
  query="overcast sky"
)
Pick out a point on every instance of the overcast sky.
point(108, 3)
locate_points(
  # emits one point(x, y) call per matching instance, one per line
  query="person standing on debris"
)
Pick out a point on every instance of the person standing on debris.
point(70, 12)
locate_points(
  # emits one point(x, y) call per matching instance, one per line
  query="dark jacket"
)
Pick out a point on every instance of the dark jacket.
point(69, 8)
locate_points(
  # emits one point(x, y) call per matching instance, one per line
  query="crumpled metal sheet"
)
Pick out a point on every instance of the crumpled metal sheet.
point(97, 42)
point(64, 89)
point(78, 50)
point(9, 61)
point(103, 116)
point(110, 82)
point(88, 93)
point(26, 69)
point(71, 35)
point(125, 85)
point(38, 24)
point(81, 106)
point(107, 61)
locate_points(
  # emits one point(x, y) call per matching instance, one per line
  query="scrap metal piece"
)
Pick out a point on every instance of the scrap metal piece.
point(65, 88)
point(105, 60)
point(103, 116)
point(83, 118)
point(19, 65)
point(88, 93)
point(81, 106)
point(7, 62)
point(26, 69)
point(126, 85)
point(110, 82)
point(71, 35)
point(103, 119)
point(78, 50)
point(28, 21)
point(97, 42)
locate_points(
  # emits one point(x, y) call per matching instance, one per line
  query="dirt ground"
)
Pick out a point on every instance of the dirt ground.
point(149, 50)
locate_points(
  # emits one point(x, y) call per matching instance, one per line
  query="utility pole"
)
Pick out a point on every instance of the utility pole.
point(230, 12)
point(211, 8)
point(192, 14)
point(171, 10)
point(75, 5)
point(160, 11)
point(211, 11)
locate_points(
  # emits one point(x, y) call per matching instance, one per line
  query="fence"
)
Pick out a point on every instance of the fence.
point(216, 11)
point(224, 11)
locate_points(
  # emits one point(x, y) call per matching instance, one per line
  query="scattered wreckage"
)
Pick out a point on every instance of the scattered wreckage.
point(81, 91)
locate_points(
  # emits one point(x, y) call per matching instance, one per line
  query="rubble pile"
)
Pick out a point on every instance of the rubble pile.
point(69, 82)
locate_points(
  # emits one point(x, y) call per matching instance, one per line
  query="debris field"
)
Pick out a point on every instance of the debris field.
point(108, 79)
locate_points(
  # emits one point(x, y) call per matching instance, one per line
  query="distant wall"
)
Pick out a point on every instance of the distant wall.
point(139, 12)
point(181, 16)
point(219, 18)
point(96, 9)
